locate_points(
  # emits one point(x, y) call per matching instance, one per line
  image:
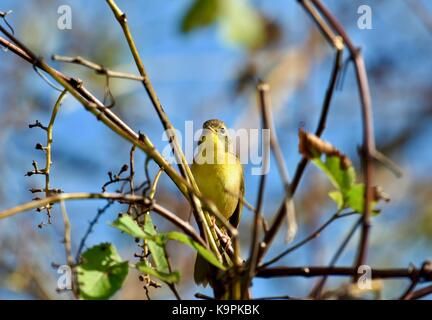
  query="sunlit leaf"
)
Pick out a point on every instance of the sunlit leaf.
point(340, 171)
point(241, 24)
point(202, 251)
point(169, 277)
point(201, 14)
point(128, 225)
point(157, 250)
point(341, 178)
point(337, 197)
point(101, 273)
point(155, 244)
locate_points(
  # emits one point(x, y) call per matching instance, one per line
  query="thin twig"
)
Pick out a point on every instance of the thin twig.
point(377, 273)
point(98, 68)
point(368, 132)
point(203, 296)
point(123, 198)
point(262, 91)
point(203, 220)
point(309, 238)
point(420, 293)
point(90, 228)
point(93, 105)
point(68, 247)
point(271, 234)
point(283, 171)
point(409, 293)
point(316, 291)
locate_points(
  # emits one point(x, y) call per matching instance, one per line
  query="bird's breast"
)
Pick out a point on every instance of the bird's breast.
point(220, 182)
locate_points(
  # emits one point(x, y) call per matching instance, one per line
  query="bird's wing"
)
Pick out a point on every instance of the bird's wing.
point(235, 218)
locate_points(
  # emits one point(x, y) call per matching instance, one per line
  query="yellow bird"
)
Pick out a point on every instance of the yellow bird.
point(219, 176)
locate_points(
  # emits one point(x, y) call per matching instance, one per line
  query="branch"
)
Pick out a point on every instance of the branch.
point(288, 204)
point(93, 105)
point(48, 147)
point(309, 238)
point(271, 234)
point(275, 272)
point(203, 220)
point(316, 291)
point(262, 90)
point(420, 293)
point(98, 68)
point(125, 198)
point(368, 132)
point(68, 247)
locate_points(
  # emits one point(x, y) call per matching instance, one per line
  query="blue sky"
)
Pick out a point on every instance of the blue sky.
point(194, 76)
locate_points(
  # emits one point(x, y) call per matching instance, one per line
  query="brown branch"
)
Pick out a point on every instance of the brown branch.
point(288, 204)
point(316, 291)
point(271, 234)
point(98, 68)
point(309, 238)
point(409, 293)
point(203, 219)
point(420, 293)
point(68, 247)
point(368, 132)
point(93, 105)
point(410, 273)
point(263, 102)
point(122, 198)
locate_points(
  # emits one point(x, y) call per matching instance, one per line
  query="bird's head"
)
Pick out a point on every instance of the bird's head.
point(215, 131)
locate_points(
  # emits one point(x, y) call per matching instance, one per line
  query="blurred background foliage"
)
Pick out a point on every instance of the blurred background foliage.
point(204, 58)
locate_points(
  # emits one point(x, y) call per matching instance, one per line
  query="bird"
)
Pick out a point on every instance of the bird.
point(218, 174)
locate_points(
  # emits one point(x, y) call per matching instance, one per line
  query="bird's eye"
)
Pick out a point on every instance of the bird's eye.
point(222, 130)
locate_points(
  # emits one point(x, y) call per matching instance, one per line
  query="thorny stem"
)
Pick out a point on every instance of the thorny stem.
point(48, 147)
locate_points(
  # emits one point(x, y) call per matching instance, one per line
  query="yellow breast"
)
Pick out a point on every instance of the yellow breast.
point(219, 181)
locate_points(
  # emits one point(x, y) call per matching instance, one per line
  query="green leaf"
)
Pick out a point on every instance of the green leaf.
point(201, 14)
point(337, 197)
point(339, 170)
point(155, 244)
point(157, 250)
point(101, 273)
point(241, 24)
point(341, 178)
point(169, 277)
point(128, 225)
point(356, 197)
point(202, 251)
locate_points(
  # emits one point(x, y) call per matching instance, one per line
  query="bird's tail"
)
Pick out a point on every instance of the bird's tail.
point(201, 271)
